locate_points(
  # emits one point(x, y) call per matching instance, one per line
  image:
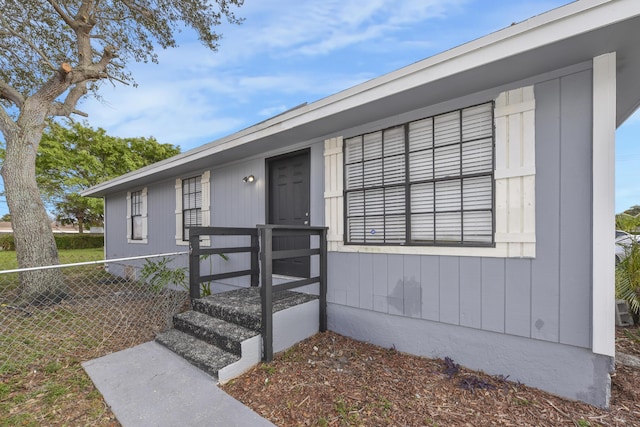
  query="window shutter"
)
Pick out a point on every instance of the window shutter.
point(515, 172)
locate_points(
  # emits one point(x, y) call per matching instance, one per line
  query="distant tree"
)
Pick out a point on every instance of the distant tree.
point(628, 223)
point(6, 217)
point(74, 158)
point(52, 54)
point(633, 210)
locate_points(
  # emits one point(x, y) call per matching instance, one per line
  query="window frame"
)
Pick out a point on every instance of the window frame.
point(409, 239)
point(143, 214)
point(136, 212)
point(197, 209)
point(205, 209)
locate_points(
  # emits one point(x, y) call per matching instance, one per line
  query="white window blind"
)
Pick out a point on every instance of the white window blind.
point(191, 205)
point(445, 196)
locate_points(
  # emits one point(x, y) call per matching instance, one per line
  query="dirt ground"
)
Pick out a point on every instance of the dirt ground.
point(331, 380)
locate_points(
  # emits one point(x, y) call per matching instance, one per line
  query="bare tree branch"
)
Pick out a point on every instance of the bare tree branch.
point(68, 107)
point(10, 94)
point(7, 125)
point(66, 18)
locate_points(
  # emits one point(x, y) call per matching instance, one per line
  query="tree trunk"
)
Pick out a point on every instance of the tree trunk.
point(80, 218)
point(35, 245)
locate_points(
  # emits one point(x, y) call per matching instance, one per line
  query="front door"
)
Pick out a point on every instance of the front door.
point(288, 204)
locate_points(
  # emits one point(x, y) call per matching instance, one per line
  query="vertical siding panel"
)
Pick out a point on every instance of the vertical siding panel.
point(395, 284)
point(412, 290)
point(518, 297)
point(336, 288)
point(430, 284)
point(545, 286)
point(575, 207)
point(366, 281)
point(351, 277)
point(470, 292)
point(450, 290)
point(493, 294)
point(380, 291)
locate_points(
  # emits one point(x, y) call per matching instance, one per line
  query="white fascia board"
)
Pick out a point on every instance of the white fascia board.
point(558, 24)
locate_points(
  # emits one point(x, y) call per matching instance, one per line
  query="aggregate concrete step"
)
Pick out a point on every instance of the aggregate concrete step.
point(225, 335)
point(243, 306)
point(205, 356)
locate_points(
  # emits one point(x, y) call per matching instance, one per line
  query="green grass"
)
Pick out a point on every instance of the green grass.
point(8, 259)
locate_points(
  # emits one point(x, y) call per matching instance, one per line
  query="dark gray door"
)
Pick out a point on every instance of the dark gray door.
point(289, 205)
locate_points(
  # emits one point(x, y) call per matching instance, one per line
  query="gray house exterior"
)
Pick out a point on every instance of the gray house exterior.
point(468, 198)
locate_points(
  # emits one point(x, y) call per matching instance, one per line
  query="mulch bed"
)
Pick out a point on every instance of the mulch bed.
point(332, 380)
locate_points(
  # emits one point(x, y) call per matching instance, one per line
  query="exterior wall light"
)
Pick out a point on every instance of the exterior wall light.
point(249, 179)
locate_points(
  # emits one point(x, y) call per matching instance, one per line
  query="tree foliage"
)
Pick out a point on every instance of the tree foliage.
point(52, 54)
point(74, 158)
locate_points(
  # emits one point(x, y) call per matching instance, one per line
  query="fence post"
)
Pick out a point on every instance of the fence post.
point(323, 280)
point(266, 293)
point(194, 266)
point(255, 266)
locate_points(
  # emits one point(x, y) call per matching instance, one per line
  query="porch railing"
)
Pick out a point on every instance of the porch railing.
point(262, 266)
point(196, 251)
point(267, 233)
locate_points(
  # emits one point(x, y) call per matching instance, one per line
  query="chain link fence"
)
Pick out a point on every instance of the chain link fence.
point(105, 307)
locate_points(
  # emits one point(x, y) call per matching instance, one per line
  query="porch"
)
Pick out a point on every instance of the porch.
point(226, 333)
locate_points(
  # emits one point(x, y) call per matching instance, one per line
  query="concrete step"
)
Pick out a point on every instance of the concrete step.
point(225, 335)
point(242, 306)
point(205, 356)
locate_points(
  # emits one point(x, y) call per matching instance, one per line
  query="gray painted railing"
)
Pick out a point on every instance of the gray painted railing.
point(195, 251)
point(266, 233)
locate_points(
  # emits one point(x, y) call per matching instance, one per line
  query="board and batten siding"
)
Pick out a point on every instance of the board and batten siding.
point(540, 288)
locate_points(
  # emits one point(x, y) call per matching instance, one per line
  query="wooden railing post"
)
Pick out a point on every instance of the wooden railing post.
point(255, 266)
point(323, 280)
point(194, 266)
point(266, 293)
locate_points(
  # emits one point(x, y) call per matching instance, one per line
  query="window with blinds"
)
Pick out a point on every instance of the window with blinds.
point(191, 205)
point(136, 215)
point(427, 182)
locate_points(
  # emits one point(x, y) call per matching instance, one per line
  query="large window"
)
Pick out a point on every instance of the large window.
point(428, 182)
point(136, 215)
point(191, 205)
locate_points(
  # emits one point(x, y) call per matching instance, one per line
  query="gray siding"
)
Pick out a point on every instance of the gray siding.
point(545, 298)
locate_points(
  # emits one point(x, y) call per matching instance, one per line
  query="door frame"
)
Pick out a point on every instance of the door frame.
point(268, 165)
point(268, 161)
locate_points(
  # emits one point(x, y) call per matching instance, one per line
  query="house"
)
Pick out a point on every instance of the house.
point(469, 197)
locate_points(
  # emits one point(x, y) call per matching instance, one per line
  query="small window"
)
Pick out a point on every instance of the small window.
point(428, 182)
point(191, 205)
point(136, 215)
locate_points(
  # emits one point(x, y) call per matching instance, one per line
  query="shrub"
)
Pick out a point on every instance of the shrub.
point(79, 241)
point(63, 241)
point(628, 278)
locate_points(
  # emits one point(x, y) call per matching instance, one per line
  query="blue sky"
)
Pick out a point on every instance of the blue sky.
point(289, 51)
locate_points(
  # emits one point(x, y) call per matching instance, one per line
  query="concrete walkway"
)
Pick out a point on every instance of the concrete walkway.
point(151, 386)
